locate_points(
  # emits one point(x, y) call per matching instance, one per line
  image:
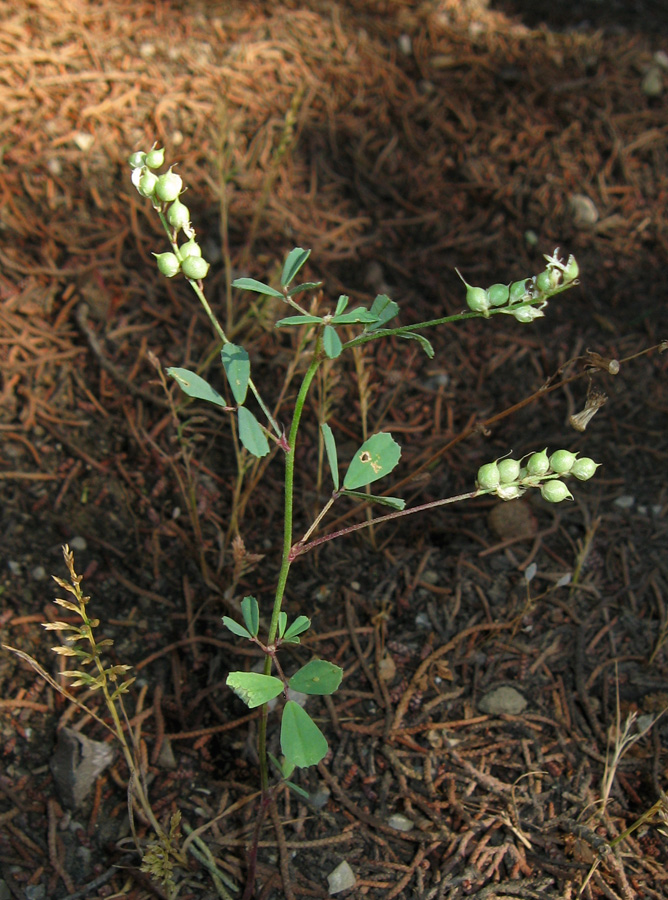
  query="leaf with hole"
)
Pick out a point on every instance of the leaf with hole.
point(392, 502)
point(330, 450)
point(254, 688)
point(237, 368)
point(250, 284)
point(293, 263)
point(375, 458)
point(302, 742)
point(194, 385)
point(331, 342)
point(251, 613)
point(317, 677)
point(251, 434)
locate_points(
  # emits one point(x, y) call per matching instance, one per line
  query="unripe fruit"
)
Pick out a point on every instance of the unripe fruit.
point(555, 491)
point(571, 270)
point(178, 214)
point(526, 314)
point(168, 264)
point(509, 491)
point(147, 184)
point(498, 294)
point(584, 468)
point(190, 248)
point(155, 158)
point(509, 470)
point(137, 160)
point(169, 186)
point(194, 267)
point(518, 290)
point(488, 477)
point(538, 463)
point(562, 461)
point(476, 297)
point(544, 281)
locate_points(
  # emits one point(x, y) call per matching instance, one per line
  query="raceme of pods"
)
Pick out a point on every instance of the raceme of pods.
point(524, 299)
point(164, 191)
point(508, 478)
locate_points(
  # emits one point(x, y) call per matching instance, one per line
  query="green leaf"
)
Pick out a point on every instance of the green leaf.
point(250, 284)
point(393, 502)
point(293, 263)
point(384, 309)
point(298, 320)
point(421, 339)
point(330, 449)
point(251, 613)
point(194, 385)
point(298, 790)
point(359, 314)
point(282, 623)
point(254, 688)
point(300, 624)
point(302, 742)
point(306, 286)
point(251, 434)
point(235, 628)
point(317, 677)
point(237, 368)
point(341, 304)
point(374, 459)
point(331, 342)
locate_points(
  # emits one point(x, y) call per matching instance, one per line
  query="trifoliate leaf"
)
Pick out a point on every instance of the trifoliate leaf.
point(250, 284)
point(237, 368)
point(194, 385)
point(298, 320)
point(421, 339)
point(392, 502)
point(251, 434)
point(251, 613)
point(330, 449)
point(331, 342)
point(317, 677)
point(254, 688)
point(302, 742)
point(293, 263)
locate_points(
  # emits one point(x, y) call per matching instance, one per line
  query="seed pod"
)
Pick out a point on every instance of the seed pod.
point(488, 477)
point(526, 314)
point(169, 186)
point(194, 267)
point(509, 491)
point(518, 290)
point(168, 263)
point(476, 297)
point(562, 461)
point(190, 248)
point(538, 463)
point(571, 270)
point(147, 184)
point(544, 281)
point(584, 468)
point(498, 294)
point(509, 470)
point(555, 491)
point(155, 158)
point(178, 214)
point(137, 160)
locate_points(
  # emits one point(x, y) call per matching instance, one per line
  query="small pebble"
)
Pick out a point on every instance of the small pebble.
point(583, 210)
point(38, 573)
point(400, 822)
point(78, 543)
point(405, 44)
point(504, 700)
point(625, 501)
point(652, 83)
point(341, 879)
point(14, 567)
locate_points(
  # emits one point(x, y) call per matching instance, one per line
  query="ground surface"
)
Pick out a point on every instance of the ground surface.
point(423, 137)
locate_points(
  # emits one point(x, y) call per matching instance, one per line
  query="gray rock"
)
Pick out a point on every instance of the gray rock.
point(504, 700)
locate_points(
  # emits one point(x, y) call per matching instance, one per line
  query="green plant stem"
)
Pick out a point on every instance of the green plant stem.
point(287, 558)
point(302, 548)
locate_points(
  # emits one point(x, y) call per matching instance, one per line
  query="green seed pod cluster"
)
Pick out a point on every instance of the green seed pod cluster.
point(508, 478)
point(524, 299)
point(164, 191)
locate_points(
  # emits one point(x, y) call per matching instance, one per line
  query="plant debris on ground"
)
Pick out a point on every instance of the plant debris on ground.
point(498, 733)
